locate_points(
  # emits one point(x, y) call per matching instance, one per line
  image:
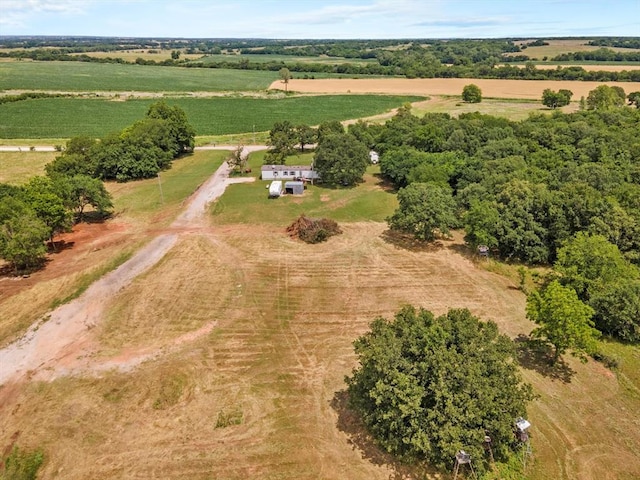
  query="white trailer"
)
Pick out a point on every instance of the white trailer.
point(275, 189)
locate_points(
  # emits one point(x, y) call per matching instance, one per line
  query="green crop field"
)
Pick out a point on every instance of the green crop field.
point(91, 77)
point(68, 117)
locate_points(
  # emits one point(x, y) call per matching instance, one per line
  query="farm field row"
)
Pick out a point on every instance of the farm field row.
point(519, 89)
point(68, 117)
point(87, 77)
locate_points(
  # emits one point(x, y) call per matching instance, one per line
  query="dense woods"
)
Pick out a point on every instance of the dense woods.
point(552, 190)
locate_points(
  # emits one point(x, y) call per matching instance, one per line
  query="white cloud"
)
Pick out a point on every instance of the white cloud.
point(16, 13)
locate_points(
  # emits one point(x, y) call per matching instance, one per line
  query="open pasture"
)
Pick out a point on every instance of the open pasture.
point(17, 167)
point(288, 59)
point(491, 88)
point(99, 77)
point(560, 46)
point(253, 391)
point(145, 54)
point(68, 117)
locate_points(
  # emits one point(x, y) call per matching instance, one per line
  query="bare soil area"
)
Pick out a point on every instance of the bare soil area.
point(518, 89)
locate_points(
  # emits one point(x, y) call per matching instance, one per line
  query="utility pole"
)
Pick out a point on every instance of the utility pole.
point(160, 187)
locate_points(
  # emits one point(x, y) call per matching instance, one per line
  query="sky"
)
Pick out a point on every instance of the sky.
point(323, 19)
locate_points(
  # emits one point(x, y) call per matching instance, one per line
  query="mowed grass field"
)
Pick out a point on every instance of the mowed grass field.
point(251, 336)
point(560, 46)
point(17, 167)
point(68, 117)
point(137, 207)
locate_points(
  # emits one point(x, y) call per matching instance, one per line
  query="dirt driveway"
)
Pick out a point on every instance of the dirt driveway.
point(62, 341)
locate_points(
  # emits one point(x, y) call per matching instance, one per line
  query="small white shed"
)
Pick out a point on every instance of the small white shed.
point(294, 188)
point(275, 189)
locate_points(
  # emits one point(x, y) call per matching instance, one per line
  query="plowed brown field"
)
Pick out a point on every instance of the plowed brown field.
point(525, 89)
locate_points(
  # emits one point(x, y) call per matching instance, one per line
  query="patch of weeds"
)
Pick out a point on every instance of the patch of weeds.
point(114, 395)
point(170, 391)
point(609, 361)
point(21, 464)
point(227, 418)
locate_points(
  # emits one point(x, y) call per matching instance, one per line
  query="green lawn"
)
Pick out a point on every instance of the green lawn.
point(93, 77)
point(249, 203)
point(69, 117)
point(145, 198)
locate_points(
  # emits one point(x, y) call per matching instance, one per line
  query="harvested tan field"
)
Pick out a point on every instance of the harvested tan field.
point(519, 89)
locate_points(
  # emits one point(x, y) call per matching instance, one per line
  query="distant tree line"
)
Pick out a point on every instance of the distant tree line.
point(437, 59)
point(600, 55)
point(622, 42)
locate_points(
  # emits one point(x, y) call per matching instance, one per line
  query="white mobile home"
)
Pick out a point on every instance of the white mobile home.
point(289, 172)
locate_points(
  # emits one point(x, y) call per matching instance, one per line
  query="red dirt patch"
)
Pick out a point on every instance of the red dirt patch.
point(67, 255)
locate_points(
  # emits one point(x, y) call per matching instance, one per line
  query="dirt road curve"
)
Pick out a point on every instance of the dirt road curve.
point(63, 341)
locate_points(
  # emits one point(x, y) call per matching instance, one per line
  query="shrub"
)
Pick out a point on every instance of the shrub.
point(21, 464)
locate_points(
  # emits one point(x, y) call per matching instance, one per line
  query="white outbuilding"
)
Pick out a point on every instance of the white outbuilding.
point(288, 172)
point(275, 189)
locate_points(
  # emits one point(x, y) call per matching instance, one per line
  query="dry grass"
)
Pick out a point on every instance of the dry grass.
point(558, 47)
point(513, 110)
point(17, 167)
point(256, 397)
point(491, 88)
point(133, 55)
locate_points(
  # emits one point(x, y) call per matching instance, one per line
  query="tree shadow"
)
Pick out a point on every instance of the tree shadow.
point(58, 246)
point(349, 423)
point(409, 242)
point(537, 355)
point(385, 184)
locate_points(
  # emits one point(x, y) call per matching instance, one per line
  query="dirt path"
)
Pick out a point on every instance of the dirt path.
point(63, 340)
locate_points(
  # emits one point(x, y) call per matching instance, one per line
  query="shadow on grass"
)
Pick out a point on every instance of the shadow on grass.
point(409, 242)
point(537, 355)
point(385, 184)
point(360, 440)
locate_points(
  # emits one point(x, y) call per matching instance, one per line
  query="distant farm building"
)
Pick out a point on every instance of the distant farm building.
point(294, 188)
point(374, 157)
point(289, 172)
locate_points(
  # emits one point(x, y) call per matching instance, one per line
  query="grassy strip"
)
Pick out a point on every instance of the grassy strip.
point(163, 198)
point(68, 117)
point(249, 203)
point(17, 167)
point(72, 76)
